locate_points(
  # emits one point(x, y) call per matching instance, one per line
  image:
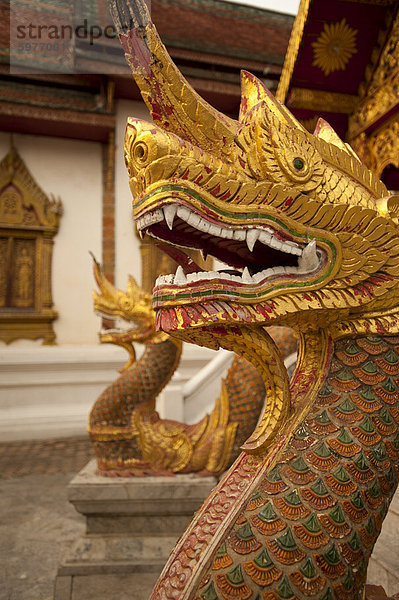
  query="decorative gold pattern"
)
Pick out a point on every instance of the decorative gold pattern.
point(292, 51)
point(334, 47)
point(383, 146)
point(316, 100)
point(381, 94)
point(28, 222)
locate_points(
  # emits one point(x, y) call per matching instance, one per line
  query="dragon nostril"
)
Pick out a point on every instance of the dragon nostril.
point(140, 151)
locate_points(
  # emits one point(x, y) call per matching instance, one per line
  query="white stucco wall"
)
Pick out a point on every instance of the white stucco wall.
point(48, 391)
point(71, 170)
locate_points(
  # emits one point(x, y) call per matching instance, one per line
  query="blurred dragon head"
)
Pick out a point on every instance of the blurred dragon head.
point(133, 306)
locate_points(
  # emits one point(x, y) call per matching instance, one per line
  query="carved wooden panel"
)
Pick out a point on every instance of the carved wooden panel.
point(28, 222)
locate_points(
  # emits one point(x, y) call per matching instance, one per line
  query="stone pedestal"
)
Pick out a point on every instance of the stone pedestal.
point(383, 567)
point(132, 526)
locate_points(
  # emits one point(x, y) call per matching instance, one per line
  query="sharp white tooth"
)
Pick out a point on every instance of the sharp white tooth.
point(203, 226)
point(169, 212)
point(309, 259)
point(214, 230)
point(204, 254)
point(258, 276)
point(154, 216)
point(180, 277)
point(141, 234)
point(252, 237)
point(246, 276)
point(262, 275)
point(193, 219)
point(239, 234)
point(226, 233)
point(183, 213)
point(164, 279)
point(291, 248)
point(276, 244)
point(286, 247)
point(265, 237)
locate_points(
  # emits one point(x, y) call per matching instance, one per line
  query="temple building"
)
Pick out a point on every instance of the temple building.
point(66, 93)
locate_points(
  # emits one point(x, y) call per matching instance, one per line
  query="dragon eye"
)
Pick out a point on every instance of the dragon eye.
point(298, 164)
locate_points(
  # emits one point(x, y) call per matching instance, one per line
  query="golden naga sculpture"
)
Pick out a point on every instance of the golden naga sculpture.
point(127, 433)
point(312, 238)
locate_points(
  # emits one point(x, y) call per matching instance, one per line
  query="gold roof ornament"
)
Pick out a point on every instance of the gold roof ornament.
point(334, 47)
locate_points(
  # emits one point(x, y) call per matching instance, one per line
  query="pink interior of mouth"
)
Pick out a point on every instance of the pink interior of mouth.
point(188, 264)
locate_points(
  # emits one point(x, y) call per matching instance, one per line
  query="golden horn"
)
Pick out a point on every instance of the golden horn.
point(253, 91)
point(172, 102)
point(105, 286)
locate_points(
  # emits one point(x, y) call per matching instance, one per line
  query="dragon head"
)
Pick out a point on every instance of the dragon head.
point(307, 233)
point(133, 306)
point(302, 224)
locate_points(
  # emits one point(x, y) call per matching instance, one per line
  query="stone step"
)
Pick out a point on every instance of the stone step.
point(117, 554)
point(384, 563)
point(132, 526)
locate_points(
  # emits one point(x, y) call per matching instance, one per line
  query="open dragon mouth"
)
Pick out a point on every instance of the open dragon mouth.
point(119, 327)
point(258, 254)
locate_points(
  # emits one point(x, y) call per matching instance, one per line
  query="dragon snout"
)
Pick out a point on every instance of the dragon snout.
point(144, 144)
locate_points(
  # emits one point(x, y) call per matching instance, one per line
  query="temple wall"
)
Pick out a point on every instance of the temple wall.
point(71, 170)
point(47, 391)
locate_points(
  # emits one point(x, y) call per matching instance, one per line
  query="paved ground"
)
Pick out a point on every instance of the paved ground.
point(36, 520)
point(47, 457)
point(37, 523)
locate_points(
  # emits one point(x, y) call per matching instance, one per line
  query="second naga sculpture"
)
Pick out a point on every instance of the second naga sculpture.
point(128, 436)
point(312, 238)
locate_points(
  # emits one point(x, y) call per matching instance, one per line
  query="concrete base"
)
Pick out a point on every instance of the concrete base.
point(384, 562)
point(47, 391)
point(132, 526)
